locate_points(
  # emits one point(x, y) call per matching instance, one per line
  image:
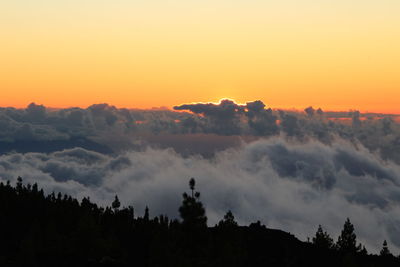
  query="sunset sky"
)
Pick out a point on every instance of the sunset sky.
point(334, 54)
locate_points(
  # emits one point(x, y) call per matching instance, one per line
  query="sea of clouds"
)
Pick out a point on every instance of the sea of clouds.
point(286, 184)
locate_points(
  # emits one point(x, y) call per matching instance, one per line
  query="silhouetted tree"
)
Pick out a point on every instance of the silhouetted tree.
point(146, 216)
point(228, 221)
point(116, 204)
point(322, 239)
point(56, 230)
point(192, 211)
point(192, 184)
point(364, 251)
point(19, 184)
point(347, 241)
point(385, 250)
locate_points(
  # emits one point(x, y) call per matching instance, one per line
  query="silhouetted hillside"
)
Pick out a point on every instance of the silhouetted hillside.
point(58, 230)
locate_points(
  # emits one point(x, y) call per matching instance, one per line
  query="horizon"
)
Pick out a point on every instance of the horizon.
point(171, 108)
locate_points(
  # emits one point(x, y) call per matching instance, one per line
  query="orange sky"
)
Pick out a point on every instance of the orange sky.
point(335, 54)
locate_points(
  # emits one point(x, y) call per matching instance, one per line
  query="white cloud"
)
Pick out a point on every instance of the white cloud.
point(290, 186)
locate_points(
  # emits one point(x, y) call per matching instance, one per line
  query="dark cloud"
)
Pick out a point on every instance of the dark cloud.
point(205, 145)
point(225, 110)
point(230, 118)
point(310, 111)
point(254, 108)
point(355, 115)
point(291, 125)
point(36, 113)
point(262, 121)
point(224, 117)
point(286, 184)
point(107, 129)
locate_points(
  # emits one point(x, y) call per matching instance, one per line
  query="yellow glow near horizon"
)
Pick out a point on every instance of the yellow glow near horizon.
point(337, 55)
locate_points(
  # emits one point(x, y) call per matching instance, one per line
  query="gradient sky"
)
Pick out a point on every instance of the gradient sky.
point(334, 54)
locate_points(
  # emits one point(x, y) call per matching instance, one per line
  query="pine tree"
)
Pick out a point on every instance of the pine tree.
point(347, 241)
point(116, 203)
point(146, 216)
point(228, 221)
point(19, 185)
point(385, 250)
point(322, 239)
point(192, 211)
point(192, 184)
point(364, 251)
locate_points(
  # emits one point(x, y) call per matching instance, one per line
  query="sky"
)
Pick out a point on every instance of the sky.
point(334, 54)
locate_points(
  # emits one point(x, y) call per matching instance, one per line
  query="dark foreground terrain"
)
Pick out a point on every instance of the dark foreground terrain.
point(57, 230)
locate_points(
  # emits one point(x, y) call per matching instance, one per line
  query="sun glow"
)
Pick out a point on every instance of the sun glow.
point(131, 54)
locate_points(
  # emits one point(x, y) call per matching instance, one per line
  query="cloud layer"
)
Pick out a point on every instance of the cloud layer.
point(315, 167)
point(286, 184)
point(107, 129)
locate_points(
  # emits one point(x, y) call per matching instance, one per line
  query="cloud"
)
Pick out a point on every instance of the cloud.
point(230, 118)
point(285, 184)
point(262, 121)
point(310, 111)
point(291, 125)
point(224, 117)
point(100, 123)
point(103, 127)
point(36, 113)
